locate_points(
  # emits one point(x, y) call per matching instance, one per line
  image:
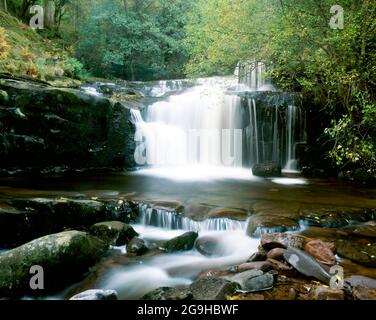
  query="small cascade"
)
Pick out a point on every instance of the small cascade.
point(170, 220)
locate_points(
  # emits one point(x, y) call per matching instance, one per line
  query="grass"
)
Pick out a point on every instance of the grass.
point(25, 52)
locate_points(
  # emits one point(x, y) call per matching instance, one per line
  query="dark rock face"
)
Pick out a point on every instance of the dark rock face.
point(44, 127)
point(26, 219)
point(113, 232)
point(166, 293)
point(137, 247)
point(213, 289)
point(182, 243)
point(64, 257)
point(361, 251)
point(268, 169)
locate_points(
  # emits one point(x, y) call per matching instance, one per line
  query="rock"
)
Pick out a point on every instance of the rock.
point(54, 119)
point(281, 240)
point(114, 232)
point(366, 230)
point(213, 289)
point(361, 281)
point(326, 293)
point(230, 213)
point(363, 293)
point(321, 252)
point(260, 265)
point(306, 265)
point(207, 246)
point(278, 265)
point(137, 247)
point(267, 169)
point(213, 273)
point(96, 295)
point(257, 256)
point(242, 277)
point(184, 242)
point(359, 250)
point(64, 257)
point(276, 254)
point(261, 224)
point(259, 283)
point(166, 293)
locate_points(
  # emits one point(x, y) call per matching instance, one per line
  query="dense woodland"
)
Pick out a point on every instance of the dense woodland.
point(159, 39)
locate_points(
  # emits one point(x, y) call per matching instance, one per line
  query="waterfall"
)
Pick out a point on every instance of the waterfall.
point(172, 221)
point(213, 124)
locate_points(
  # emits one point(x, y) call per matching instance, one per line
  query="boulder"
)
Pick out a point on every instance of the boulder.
point(113, 232)
point(282, 240)
point(64, 257)
point(207, 246)
point(260, 265)
point(321, 252)
point(267, 169)
point(213, 289)
point(242, 277)
point(262, 223)
point(326, 293)
point(359, 250)
point(257, 256)
point(184, 242)
point(276, 254)
point(169, 294)
point(259, 283)
point(356, 280)
point(137, 247)
point(46, 127)
point(96, 295)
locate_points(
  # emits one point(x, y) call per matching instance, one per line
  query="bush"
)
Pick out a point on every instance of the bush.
point(74, 69)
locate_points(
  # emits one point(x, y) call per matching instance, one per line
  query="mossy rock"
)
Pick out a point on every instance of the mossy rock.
point(113, 232)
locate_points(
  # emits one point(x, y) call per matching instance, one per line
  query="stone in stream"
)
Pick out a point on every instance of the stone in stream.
point(306, 265)
point(184, 242)
point(282, 240)
point(213, 289)
point(326, 293)
point(321, 252)
point(359, 250)
point(276, 254)
point(355, 280)
point(167, 293)
point(267, 169)
point(278, 265)
point(242, 277)
point(261, 265)
point(96, 295)
point(363, 293)
point(259, 283)
point(64, 257)
point(114, 232)
point(366, 230)
point(137, 247)
point(207, 246)
point(257, 256)
point(262, 223)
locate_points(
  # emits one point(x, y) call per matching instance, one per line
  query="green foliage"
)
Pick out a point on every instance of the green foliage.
point(74, 69)
point(134, 40)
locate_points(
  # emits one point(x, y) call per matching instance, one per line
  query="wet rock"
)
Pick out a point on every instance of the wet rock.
point(184, 242)
point(242, 277)
point(96, 295)
point(113, 232)
point(257, 256)
point(278, 265)
point(306, 265)
point(366, 230)
point(39, 132)
point(260, 265)
point(64, 257)
point(363, 293)
point(359, 250)
point(213, 289)
point(326, 293)
point(166, 293)
point(281, 240)
point(173, 206)
point(321, 252)
point(276, 254)
point(213, 273)
point(261, 224)
point(267, 169)
point(334, 217)
point(137, 247)
point(207, 246)
point(259, 283)
point(230, 213)
point(361, 281)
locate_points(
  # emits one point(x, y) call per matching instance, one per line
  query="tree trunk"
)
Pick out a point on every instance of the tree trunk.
point(49, 14)
point(3, 5)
